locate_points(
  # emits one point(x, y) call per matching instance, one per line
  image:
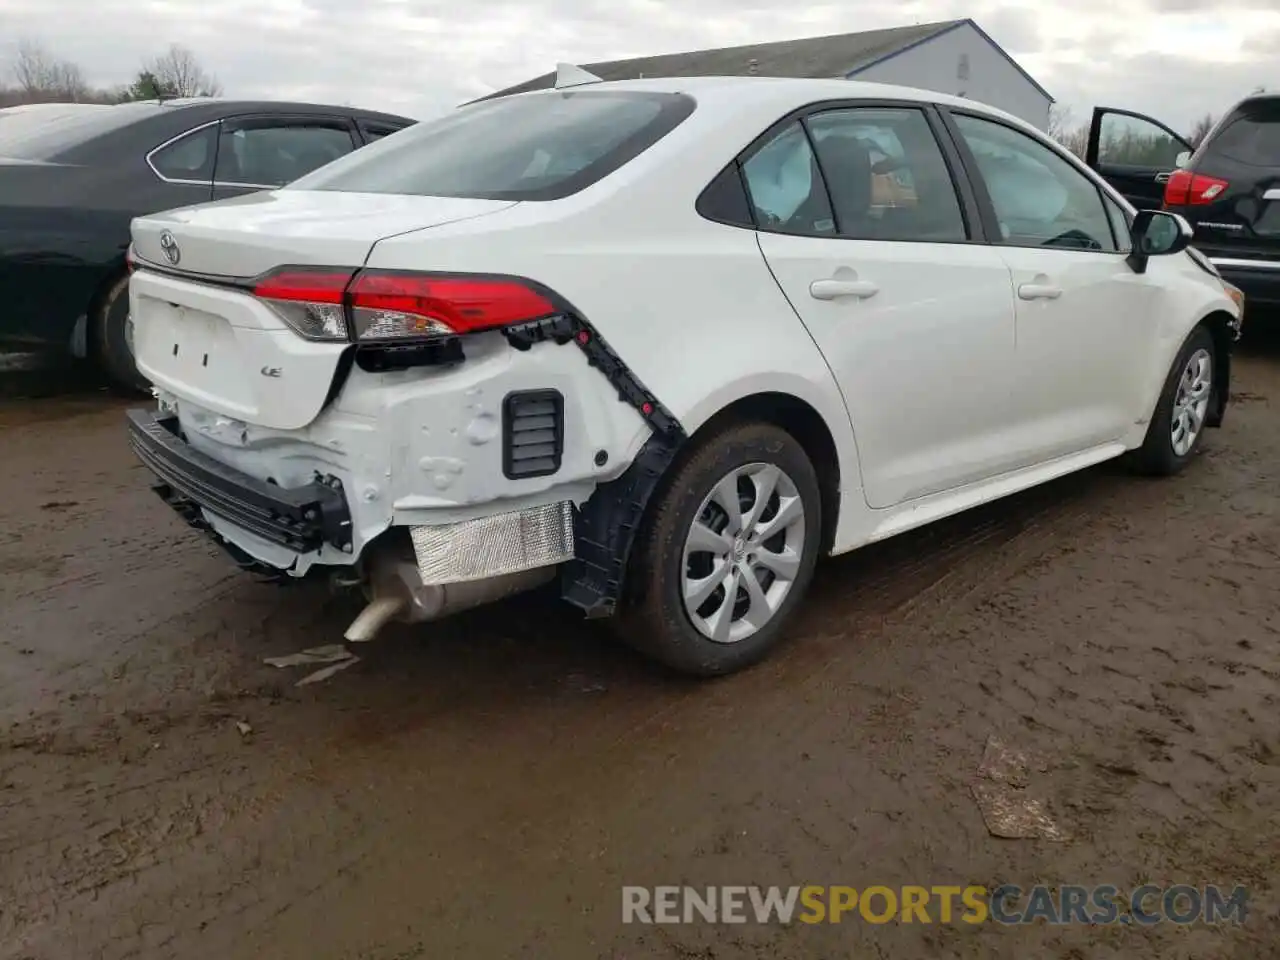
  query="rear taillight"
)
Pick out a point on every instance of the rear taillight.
point(392, 306)
point(1187, 189)
point(308, 300)
point(398, 306)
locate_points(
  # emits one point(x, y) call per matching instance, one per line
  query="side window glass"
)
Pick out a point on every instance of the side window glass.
point(1125, 141)
point(887, 175)
point(190, 158)
point(785, 187)
point(271, 156)
point(1040, 199)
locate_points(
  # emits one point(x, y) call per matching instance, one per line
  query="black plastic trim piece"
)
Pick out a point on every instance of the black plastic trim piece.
point(605, 525)
point(568, 327)
point(512, 468)
point(301, 519)
point(605, 529)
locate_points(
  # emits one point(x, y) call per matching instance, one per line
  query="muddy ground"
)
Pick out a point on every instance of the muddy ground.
point(484, 788)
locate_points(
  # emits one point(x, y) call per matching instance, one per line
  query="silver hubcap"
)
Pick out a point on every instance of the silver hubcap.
point(743, 552)
point(1191, 401)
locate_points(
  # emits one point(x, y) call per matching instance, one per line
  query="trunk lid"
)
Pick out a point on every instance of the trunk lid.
point(246, 236)
point(218, 346)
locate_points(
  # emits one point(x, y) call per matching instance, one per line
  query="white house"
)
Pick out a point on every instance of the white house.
point(954, 56)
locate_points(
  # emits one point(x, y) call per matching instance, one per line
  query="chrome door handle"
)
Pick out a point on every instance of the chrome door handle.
point(1163, 177)
point(833, 289)
point(1039, 291)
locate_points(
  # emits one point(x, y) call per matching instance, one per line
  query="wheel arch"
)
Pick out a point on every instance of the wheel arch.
point(1224, 328)
point(803, 422)
point(609, 521)
point(113, 274)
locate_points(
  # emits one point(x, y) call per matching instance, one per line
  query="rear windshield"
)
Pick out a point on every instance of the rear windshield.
point(1251, 137)
point(533, 147)
point(46, 135)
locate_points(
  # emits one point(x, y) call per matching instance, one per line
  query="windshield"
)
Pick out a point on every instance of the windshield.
point(531, 147)
point(47, 134)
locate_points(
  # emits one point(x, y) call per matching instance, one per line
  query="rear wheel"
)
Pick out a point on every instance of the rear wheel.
point(1177, 427)
point(113, 340)
point(727, 555)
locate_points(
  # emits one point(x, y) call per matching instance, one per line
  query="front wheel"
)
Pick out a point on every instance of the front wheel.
point(1177, 426)
point(113, 331)
point(727, 554)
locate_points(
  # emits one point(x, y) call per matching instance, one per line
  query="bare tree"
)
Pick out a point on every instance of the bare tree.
point(177, 72)
point(1201, 130)
point(1059, 121)
point(42, 76)
point(1073, 136)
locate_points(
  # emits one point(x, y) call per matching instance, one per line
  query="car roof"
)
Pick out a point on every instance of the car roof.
point(782, 92)
point(221, 105)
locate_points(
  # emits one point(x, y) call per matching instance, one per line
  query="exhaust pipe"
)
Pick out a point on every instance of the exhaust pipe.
point(373, 618)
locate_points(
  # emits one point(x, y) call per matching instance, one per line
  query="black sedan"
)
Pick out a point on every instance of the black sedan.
point(71, 181)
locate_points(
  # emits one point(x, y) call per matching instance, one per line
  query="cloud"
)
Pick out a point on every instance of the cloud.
point(1175, 58)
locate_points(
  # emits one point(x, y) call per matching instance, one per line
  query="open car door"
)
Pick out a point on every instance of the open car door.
point(1135, 154)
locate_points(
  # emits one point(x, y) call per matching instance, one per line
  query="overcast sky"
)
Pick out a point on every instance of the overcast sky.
point(1176, 59)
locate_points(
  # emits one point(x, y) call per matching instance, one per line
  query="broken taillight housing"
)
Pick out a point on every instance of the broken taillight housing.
point(393, 306)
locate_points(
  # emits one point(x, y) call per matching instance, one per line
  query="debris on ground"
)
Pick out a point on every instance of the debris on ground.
point(326, 672)
point(332, 653)
point(335, 655)
point(1009, 807)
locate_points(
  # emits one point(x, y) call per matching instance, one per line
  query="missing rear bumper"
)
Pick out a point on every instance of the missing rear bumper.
point(301, 519)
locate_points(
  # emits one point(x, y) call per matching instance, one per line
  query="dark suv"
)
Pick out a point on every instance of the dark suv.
point(1228, 188)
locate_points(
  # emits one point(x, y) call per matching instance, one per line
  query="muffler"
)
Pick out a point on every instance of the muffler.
point(395, 592)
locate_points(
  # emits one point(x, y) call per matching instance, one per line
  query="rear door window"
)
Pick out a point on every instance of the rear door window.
point(887, 175)
point(787, 192)
point(271, 153)
point(539, 146)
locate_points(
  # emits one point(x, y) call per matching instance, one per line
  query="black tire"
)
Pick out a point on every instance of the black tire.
point(652, 617)
point(1157, 456)
point(111, 344)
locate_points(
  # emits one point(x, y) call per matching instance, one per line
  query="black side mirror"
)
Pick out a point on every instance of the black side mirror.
point(1157, 233)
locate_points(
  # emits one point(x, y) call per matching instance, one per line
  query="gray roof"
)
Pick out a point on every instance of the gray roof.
point(812, 57)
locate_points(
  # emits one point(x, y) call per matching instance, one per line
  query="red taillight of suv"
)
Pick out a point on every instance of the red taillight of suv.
point(1187, 189)
point(393, 306)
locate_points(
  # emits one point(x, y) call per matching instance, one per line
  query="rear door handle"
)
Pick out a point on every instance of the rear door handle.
point(1163, 177)
point(1039, 291)
point(833, 289)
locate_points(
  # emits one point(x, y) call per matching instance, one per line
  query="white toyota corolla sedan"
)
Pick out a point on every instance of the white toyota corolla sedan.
point(669, 341)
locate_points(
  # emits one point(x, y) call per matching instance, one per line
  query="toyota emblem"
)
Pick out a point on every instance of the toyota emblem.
point(169, 247)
